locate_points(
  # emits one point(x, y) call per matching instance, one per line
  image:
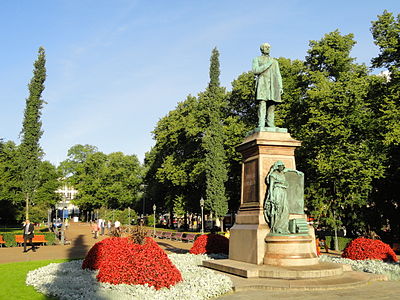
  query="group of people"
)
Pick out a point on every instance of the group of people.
point(101, 224)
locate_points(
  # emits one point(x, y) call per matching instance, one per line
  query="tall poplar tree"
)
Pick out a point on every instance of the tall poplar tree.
point(30, 150)
point(213, 142)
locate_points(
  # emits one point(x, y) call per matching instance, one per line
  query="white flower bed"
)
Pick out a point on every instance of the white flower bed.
point(391, 270)
point(69, 281)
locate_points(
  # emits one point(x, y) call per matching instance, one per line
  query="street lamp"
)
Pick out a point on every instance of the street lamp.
point(154, 223)
point(202, 214)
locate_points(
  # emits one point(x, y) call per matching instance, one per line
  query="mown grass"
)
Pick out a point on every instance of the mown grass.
point(13, 276)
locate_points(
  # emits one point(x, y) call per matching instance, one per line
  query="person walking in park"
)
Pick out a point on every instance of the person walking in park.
point(101, 226)
point(109, 223)
point(117, 227)
point(28, 233)
point(95, 229)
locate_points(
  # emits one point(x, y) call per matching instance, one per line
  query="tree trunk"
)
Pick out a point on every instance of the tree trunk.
point(26, 206)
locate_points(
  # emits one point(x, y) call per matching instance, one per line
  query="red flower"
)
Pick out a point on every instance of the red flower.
point(210, 243)
point(363, 248)
point(119, 260)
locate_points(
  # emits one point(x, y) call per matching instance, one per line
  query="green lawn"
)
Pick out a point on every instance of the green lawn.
point(12, 280)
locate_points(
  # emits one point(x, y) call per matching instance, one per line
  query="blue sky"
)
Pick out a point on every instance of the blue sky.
point(116, 67)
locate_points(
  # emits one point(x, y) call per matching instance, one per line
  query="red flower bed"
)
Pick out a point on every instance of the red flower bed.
point(363, 248)
point(210, 243)
point(119, 260)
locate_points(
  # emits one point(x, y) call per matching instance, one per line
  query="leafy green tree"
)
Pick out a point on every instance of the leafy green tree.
point(88, 181)
point(121, 180)
point(11, 204)
point(331, 55)
point(338, 156)
point(111, 181)
point(385, 208)
point(31, 132)
point(386, 34)
point(175, 165)
point(76, 156)
point(49, 182)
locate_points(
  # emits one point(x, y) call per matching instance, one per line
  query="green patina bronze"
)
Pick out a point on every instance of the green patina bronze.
point(268, 87)
point(283, 197)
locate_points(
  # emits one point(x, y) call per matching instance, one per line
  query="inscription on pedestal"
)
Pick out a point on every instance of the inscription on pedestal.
point(250, 184)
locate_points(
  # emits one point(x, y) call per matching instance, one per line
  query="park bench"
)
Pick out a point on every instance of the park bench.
point(37, 239)
point(159, 234)
point(189, 237)
point(2, 242)
point(167, 235)
point(177, 236)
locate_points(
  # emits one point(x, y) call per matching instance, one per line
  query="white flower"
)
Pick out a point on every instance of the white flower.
point(391, 270)
point(69, 281)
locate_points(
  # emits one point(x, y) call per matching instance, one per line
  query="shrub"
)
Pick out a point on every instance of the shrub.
point(363, 248)
point(9, 238)
point(120, 260)
point(342, 242)
point(210, 243)
point(50, 237)
point(150, 220)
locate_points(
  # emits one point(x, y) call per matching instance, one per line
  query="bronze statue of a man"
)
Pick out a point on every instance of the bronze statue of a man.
point(268, 86)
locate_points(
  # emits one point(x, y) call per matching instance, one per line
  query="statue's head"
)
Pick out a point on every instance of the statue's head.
point(279, 165)
point(265, 48)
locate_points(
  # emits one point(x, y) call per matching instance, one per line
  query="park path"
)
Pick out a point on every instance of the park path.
point(81, 238)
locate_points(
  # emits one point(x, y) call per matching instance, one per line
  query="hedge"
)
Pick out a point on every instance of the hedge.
point(8, 237)
point(342, 241)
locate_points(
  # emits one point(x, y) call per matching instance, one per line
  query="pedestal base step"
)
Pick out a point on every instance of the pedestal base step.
point(248, 270)
point(345, 281)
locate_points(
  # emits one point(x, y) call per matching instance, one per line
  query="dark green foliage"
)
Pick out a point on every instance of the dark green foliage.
point(241, 103)
point(11, 199)
point(11, 204)
point(338, 156)
point(31, 132)
point(385, 206)
point(38, 213)
point(125, 216)
point(50, 237)
point(9, 238)
point(342, 241)
point(49, 182)
point(214, 70)
point(175, 169)
point(213, 142)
